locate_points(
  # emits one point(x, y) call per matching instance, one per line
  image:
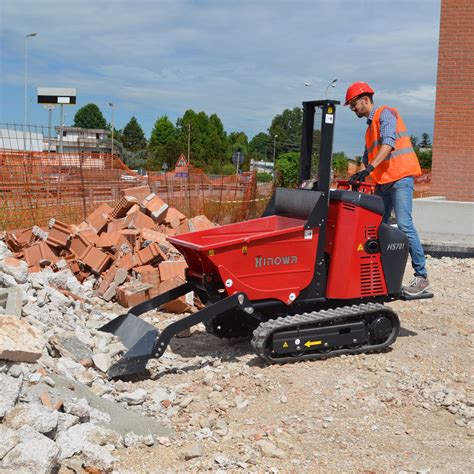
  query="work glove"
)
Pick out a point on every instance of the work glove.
point(360, 175)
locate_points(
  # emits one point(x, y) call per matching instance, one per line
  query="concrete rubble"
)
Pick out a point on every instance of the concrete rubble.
point(57, 407)
point(210, 405)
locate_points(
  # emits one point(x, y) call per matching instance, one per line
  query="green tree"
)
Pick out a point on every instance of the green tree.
point(163, 146)
point(285, 134)
point(339, 163)
point(238, 142)
point(89, 116)
point(414, 142)
point(286, 127)
point(227, 169)
point(133, 138)
point(216, 142)
point(163, 132)
point(425, 141)
point(207, 139)
point(425, 158)
point(264, 177)
point(261, 147)
point(286, 168)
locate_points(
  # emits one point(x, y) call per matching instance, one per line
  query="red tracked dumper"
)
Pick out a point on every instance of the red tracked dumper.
point(307, 280)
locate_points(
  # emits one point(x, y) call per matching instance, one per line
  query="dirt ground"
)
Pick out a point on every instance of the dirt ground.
point(408, 409)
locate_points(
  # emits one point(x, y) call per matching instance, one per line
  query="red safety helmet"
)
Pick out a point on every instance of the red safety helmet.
point(356, 89)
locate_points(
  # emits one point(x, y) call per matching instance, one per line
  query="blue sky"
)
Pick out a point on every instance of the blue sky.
point(244, 60)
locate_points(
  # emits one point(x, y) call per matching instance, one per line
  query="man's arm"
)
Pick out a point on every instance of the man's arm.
point(384, 151)
point(388, 124)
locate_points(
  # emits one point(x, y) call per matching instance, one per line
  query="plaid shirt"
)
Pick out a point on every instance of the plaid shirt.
point(388, 124)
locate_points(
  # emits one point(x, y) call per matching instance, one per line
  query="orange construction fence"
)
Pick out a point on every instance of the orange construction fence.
point(35, 186)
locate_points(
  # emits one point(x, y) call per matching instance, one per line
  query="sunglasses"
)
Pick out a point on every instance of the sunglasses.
point(353, 102)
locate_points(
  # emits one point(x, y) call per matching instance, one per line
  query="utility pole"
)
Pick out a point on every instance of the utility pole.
point(50, 109)
point(113, 125)
point(189, 143)
point(238, 162)
point(31, 35)
point(61, 148)
point(274, 145)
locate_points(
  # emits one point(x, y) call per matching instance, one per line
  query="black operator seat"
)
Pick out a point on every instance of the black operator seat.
point(367, 201)
point(295, 203)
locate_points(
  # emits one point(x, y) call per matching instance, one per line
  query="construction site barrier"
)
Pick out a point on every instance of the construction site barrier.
point(35, 186)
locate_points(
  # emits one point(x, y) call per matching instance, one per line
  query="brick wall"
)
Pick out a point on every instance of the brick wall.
point(453, 143)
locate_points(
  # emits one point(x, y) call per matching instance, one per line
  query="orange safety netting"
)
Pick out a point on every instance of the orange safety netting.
point(35, 186)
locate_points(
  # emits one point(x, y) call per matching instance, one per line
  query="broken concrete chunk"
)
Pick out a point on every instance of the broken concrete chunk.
point(18, 269)
point(10, 392)
point(131, 440)
point(102, 361)
point(34, 453)
point(66, 420)
point(36, 416)
point(4, 251)
point(8, 440)
point(134, 398)
point(97, 457)
point(79, 408)
point(68, 345)
point(19, 342)
point(11, 301)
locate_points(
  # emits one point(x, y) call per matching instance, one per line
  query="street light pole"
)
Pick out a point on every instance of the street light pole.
point(113, 125)
point(331, 84)
point(189, 143)
point(26, 83)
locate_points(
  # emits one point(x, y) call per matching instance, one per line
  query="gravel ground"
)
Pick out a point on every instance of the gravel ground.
point(409, 409)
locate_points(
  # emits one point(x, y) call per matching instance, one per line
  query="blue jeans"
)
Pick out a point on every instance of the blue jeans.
point(399, 197)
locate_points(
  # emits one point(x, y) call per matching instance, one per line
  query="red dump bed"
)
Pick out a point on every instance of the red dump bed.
point(268, 258)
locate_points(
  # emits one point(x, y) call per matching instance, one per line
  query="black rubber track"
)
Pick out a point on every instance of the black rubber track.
point(262, 336)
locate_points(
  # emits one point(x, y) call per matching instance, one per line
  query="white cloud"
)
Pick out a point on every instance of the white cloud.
point(244, 60)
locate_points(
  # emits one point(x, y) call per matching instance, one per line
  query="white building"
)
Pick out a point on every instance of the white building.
point(261, 166)
point(76, 139)
point(19, 140)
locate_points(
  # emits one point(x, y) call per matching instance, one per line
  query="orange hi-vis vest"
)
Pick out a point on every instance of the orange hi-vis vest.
point(402, 162)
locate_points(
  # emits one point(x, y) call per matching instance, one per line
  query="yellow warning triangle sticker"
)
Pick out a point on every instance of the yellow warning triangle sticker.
point(285, 345)
point(360, 248)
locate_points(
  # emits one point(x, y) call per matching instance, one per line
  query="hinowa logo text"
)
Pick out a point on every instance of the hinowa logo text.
point(268, 261)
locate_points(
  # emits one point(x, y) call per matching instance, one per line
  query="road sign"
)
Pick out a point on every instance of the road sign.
point(238, 156)
point(181, 161)
point(52, 95)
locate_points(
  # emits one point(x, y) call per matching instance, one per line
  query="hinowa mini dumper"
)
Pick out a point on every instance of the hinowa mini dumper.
point(307, 280)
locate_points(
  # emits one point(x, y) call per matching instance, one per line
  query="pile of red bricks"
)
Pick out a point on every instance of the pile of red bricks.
point(124, 246)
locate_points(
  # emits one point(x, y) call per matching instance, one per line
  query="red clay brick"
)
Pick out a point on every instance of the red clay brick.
point(155, 208)
point(139, 192)
point(78, 244)
point(173, 217)
point(122, 206)
point(151, 254)
point(131, 294)
point(99, 218)
point(178, 305)
point(39, 255)
point(172, 268)
point(59, 234)
point(138, 220)
point(149, 275)
point(95, 259)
